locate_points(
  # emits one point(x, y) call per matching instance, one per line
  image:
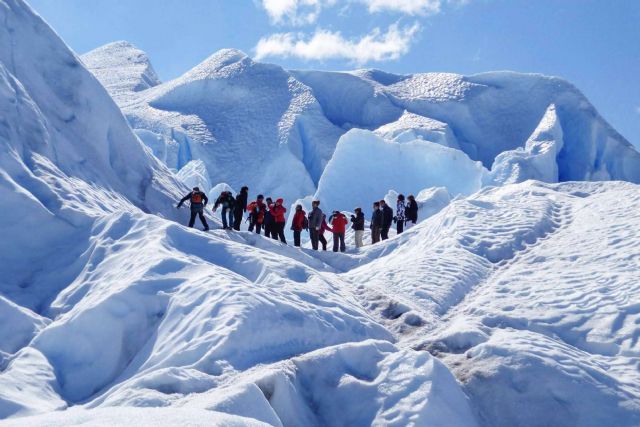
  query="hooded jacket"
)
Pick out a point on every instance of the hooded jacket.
point(339, 223)
point(278, 211)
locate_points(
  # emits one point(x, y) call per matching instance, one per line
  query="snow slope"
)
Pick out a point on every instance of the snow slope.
point(67, 156)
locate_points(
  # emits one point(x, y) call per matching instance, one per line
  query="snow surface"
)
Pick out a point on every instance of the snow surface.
point(506, 305)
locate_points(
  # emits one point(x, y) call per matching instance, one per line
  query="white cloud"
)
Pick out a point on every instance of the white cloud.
point(295, 12)
point(409, 7)
point(304, 12)
point(324, 45)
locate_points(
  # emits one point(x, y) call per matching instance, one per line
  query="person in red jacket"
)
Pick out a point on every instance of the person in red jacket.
point(299, 223)
point(324, 227)
point(339, 224)
point(279, 219)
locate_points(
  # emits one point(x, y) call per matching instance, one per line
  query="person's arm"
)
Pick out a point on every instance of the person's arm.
point(216, 204)
point(184, 199)
point(205, 199)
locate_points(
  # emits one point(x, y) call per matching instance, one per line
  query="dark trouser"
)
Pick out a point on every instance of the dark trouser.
point(237, 218)
point(296, 237)
point(254, 223)
point(338, 237)
point(400, 226)
point(278, 231)
point(314, 235)
point(268, 228)
point(384, 233)
point(223, 213)
point(323, 241)
point(375, 234)
point(200, 212)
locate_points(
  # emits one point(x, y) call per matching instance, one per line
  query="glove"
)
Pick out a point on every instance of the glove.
point(395, 219)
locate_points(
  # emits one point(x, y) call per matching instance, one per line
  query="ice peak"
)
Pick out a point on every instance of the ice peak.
point(222, 63)
point(122, 68)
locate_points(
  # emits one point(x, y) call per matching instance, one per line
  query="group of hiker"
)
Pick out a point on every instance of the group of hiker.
point(270, 216)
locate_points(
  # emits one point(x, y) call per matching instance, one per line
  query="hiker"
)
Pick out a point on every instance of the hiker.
point(299, 223)
point(256, 211)
point(339, 225)
point(227, 202)
point(240, 207)
point(267, 222)
point(358, 226)
point(399, 219)
point(198, 200)
point(324, 227)
point(387, 219)
point(376, 223)
point(315, 223)
point(279, 220)
point(411, 211)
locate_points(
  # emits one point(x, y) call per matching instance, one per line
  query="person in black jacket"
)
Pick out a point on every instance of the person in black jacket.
point(411, 211)
point(240, 207)
point(227, 202)
point(387, 219)
point(198, 200)
point(357, 225)
point(376, 223)
point(268, 223)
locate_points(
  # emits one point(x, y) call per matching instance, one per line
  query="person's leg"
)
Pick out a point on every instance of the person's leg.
point(296, 237)
point(223, 214)
point(384, 233)
point(192, 220)
point(323, 241)
point(343, 247)
point(335, 241)
point(314, 238)
point(231, 220)
point(359, 235)
point(258, 228)
point(375, 234)
point(203, 220)
point(274, 231)
point(400, 227)
point(283, 239)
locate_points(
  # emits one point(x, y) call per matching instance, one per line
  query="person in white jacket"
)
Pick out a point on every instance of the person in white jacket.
point(400, 218)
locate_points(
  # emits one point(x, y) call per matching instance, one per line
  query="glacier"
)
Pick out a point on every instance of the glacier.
point(512, 302)
point(249, 121)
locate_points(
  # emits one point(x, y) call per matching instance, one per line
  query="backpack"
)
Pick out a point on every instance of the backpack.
point(196, 198)
point(305, 223)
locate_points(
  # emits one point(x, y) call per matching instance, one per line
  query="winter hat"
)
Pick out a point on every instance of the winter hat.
point(280, 201)
point(196, 188)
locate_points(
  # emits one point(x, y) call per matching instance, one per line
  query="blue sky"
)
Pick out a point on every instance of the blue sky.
point(595, 44)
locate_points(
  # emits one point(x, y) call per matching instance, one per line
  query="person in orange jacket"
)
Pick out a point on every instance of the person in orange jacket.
point(339, 224)
point(279, 219)
point(299, 223)
point(256, 211)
